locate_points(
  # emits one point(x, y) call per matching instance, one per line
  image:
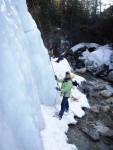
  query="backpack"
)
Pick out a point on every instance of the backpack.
point(75, 83)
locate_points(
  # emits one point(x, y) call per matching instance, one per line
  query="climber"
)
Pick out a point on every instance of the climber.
point(65, 92)
point(51, 52)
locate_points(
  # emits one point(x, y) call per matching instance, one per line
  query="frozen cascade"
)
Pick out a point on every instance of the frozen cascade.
point(26, 78)
point(38, 54)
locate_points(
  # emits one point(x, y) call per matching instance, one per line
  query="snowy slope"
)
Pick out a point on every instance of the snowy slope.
point(60, 69)
point(53, 135)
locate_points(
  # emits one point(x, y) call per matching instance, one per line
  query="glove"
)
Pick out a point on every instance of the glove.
point(55, 77)
point(57, 88)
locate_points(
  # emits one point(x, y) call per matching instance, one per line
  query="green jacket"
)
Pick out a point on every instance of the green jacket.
point(66, 87)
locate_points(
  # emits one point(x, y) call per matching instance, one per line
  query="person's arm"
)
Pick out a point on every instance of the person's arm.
point(60, 80)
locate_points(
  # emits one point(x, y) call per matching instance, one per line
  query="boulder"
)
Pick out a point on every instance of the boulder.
point(106, 93)
point(105, 108)
point(85, 87)
point(110, 100)
point(92, 133)
point(100, 86)
point(111, 60)
point(95, 109)
point(94, 93)
point(103, 130)
point(110, 75)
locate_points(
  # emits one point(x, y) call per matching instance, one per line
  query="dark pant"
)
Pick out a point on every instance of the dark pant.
point(64, 105)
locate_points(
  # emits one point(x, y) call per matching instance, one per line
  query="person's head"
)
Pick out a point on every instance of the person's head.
point(67, 75)
point(72, 75)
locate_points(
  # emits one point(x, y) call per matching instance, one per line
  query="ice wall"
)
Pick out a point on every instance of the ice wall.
point(41, 66)
point(26, 78)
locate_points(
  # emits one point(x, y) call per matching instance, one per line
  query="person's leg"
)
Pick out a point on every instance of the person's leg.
point(67, 106)
point(63, 105)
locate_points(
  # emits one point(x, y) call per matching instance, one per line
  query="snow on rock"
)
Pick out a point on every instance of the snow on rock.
point(86, 54)
point(81, 45)
point(101, 55)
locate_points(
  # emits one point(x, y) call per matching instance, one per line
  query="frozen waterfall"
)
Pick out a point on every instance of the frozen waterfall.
point(26, 78)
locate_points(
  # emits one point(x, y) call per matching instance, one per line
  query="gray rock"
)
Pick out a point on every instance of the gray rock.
point(86, 87)
point(103, 130)
point(110, 100)
point(95, 109)
point(91, 69)
point(92, 133)
point(89, 63)
point(105, 108)
point(100, 86)
point(106, 93)
point(94, 93)
point(111, 60)
point(103, 103)
point(110, 75)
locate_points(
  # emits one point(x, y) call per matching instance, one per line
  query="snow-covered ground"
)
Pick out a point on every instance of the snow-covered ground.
point(53, 135)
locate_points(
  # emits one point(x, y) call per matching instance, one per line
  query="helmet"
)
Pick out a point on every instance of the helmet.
point(67, 73)
point(72, 75)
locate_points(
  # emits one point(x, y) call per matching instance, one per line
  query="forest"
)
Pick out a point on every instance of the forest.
point(72, 21)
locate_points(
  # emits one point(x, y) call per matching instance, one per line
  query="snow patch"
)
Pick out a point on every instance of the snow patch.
point(81, 45)
point(101, 55)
